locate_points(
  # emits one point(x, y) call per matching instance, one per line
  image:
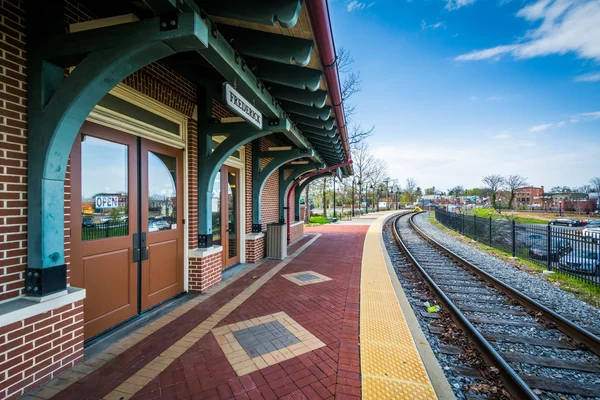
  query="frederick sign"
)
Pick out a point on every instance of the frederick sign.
point(241, 106)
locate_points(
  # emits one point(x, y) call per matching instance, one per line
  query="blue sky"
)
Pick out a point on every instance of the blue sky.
point(458, 89)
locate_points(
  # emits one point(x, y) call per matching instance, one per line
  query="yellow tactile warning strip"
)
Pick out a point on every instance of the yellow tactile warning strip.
point(391, 367)
point(137, 381)
point(239, 358)
point(306, 278)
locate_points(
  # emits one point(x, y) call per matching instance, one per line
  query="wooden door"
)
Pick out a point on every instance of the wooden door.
point(104, 217)
point(230, 218)
point(162, 222)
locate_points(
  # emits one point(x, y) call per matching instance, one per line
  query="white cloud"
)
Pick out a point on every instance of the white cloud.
point(437, 25)
point(358, 5)
point(539, 128)
point(503, 135)
point(565, 26)
point(574, 120)
point(595, 114)
point(526, 143)
point(456, 4)
point(595, 77)
point(489, 98)
point(446, 164)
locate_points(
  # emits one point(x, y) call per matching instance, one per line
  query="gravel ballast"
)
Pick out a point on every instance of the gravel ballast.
point(551, 296)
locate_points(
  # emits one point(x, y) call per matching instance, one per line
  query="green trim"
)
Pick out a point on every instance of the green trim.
point(269, 46)
point(317, 123)
point(288, 75)
point(299, 191)
point(264, 12)
point(311, 112)
point(260, 175)
point(318, 98)
point(285, 183)
point(58, 106)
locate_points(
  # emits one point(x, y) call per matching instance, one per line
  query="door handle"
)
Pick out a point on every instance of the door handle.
point(144, 246)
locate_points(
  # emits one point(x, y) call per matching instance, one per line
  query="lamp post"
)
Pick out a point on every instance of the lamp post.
point(359, 194)
point(378, 198)
point(353, 183)
point(334, 196)
point(373, 202)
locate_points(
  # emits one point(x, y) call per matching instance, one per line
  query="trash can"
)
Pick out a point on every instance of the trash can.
point(277, 240)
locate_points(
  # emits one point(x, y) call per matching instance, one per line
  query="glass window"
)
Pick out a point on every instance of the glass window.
point(162, 192)
point(216, 209)
point(104, 189)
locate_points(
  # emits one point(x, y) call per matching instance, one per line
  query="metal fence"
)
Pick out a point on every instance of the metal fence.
point(104, 230)
point(562, 250)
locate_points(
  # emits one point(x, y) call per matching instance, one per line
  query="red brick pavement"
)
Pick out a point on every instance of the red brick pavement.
point(329, 310)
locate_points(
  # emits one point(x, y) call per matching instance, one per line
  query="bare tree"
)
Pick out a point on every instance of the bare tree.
point(351, 84)
point(410, 190)
point(513, 182)
point(494, 183)
point(595, 182)
point(357, 134)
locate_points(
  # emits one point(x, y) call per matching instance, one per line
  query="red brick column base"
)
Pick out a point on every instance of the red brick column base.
point(39, 347)
point(255, 247)
point(205, 268)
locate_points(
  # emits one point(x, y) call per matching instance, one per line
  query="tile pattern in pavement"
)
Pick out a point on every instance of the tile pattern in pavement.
point(267, 340)
point(200, 368)
point(328, 310)
point(306, 278)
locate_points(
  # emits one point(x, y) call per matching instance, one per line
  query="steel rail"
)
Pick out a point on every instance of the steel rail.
point(511, 380)
point(569, 328)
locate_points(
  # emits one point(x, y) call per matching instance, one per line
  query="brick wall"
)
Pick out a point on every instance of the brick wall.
point(248, 188)
point(255, 249)
point(13, 149)
point(205, 272)
point(296, 231)
point(37, 349)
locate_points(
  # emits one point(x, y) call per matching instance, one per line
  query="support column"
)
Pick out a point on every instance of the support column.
point(285, 183)
point(260, 175)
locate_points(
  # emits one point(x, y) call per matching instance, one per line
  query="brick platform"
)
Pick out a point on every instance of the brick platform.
point(309, 335)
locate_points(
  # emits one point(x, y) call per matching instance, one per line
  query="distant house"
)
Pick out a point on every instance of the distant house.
point(525, 196)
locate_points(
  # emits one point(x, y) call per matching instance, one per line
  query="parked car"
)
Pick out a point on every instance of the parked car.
point(162, 225)
point(152, 227)
point(566, 222)
point(87, 222)
point(558, 248)
point(591, 223)
point(582, 260)
point(591, 233)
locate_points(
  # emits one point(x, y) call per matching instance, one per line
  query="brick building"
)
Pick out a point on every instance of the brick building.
point(217, 112)
point(525, 196)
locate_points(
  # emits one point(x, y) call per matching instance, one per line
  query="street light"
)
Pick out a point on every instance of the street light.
point(334, 196)
point(353, 184)
point(373, 189)
point(360, 195)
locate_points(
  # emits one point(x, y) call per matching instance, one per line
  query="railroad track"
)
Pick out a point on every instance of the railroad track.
point(537, 352)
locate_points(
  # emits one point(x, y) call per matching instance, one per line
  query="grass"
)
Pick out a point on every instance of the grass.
point(317, 220)
point(494, 214)
point(585, 291)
